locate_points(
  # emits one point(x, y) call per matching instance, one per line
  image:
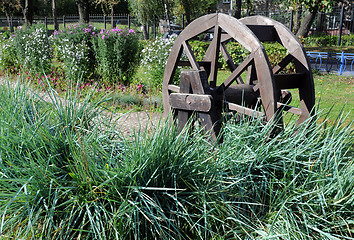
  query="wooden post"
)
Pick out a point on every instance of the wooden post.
point(104, 21)
point(341, 26)
point(128, 21)
point(64, 21)
point(291, 20)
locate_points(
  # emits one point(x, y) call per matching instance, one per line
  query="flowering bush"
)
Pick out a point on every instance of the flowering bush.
point(73, 49)
point(33, 48)
point(117, 54)
point(8, 58)
point(154, 59)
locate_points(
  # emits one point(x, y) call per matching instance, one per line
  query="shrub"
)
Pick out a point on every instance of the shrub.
point(154, 59)
point(117, 55)
point(33, 48)
point(73, 48)
point(8, 57)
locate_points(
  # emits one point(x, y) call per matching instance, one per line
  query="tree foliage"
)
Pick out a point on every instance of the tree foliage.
point(195, 8)
point(9, 7)
point(106, 5)
point(149, 10)
point(313, 6)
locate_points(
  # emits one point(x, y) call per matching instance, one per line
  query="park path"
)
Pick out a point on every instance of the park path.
point(126, 123)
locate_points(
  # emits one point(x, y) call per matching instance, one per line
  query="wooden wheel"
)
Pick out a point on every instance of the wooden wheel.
point(200, 92)
point(269, 30)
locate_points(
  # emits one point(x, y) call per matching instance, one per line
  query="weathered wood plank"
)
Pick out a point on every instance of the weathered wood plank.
point(188, 64)
point(190, 102)
point(283, 63)
point(291, 109)
point(243, 110)
point(173, 88)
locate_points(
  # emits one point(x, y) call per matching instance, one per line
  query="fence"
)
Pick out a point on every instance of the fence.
point(332, 62)
point(122, 19)
point(327, 24)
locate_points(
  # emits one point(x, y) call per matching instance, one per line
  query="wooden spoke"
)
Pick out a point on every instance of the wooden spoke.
point(283, 63)
point(230, 63)
point(190, 55)
point(227, 57)
point(215, 57)
point(251, 74)
point(244, 110)
point(237, 72)
point(174, 88)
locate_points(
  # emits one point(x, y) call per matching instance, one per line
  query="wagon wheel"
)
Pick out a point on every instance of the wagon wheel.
point(269, 30)
point(198, 90)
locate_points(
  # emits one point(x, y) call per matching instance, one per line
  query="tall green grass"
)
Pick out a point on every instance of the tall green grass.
point(67, 174)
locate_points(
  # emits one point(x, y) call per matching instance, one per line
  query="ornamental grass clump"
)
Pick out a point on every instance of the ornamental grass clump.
point(68, 173)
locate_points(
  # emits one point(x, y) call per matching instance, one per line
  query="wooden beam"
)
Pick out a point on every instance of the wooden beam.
point(190, 102)
point(265, 33)
point(237, 72)
point(190, 55)
point(283, 63)
point(289, 81)
point(173, 88)
point(243, 110)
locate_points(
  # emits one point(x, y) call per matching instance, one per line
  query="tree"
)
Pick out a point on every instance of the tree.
point(9, 7)
point(108, 5)
point(27, 10)
point(238, 9)
point(195, 8)
point(313, 6)
point(84, 10)
point(148, 11)
point(55, 16)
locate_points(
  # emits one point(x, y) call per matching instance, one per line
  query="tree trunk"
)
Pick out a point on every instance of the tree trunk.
point(238, 9)
point(306, 23)
point(188, 17)
point(267, 7)
point(112, 17)
point(145, 29)
point(84, 10)
point(187, 10)
point(320, 21)
point(27, 10)
point(55, 16)
point(9, 18)
point(297, 19)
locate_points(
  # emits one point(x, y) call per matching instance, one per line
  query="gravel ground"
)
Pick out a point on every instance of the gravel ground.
point(127, 123)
